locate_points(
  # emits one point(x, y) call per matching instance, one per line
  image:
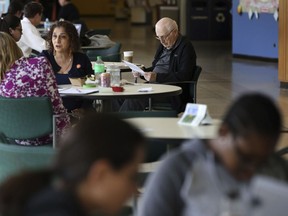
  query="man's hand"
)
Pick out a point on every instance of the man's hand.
point(150, 76)
point(135, 74)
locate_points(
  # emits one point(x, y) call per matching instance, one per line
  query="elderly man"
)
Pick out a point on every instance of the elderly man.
point(174, 61)
point(31, 38)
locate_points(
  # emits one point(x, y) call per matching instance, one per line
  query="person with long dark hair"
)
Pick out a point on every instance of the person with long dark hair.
point(94, 172)
point(11, 25)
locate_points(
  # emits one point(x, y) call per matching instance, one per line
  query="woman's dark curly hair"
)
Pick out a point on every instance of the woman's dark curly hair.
point(69, 28)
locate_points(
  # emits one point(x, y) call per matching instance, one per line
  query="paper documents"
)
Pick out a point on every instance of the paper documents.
point(148, 89)
point(271, 195)
point(134, 67)
point(195, 114)
point(77, 91)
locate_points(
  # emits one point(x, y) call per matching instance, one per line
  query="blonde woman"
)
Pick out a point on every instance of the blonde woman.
point(26, 77)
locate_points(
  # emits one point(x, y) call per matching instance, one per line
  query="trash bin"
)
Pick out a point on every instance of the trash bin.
point(221, 20)
point(198, 15)
point(209, 19)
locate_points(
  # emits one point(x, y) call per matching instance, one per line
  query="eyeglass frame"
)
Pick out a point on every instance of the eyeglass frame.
point(164, 36)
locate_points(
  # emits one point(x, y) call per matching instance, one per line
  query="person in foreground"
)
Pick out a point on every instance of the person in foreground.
point(31, 38)
point(11, 25)
point(198, 178)
point(174, 61)
point(94, 173)
point(29, 77)
point(66, 59)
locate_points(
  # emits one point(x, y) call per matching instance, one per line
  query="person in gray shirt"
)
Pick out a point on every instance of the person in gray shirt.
point(202, 176)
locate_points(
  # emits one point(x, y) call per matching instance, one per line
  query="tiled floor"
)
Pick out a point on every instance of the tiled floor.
point(223, 77)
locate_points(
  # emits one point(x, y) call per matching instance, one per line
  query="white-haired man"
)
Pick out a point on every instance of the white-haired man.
point(174, 61)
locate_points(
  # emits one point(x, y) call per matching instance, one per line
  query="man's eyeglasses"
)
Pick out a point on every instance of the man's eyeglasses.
point(164, 37)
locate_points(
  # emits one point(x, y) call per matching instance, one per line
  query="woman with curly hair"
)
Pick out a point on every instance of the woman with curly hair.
point(65, 57)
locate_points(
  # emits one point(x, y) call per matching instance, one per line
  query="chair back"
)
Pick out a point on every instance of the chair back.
point(16, 158)
point(26, 118)
point(147, 114)
point(103, 31)
point(111, 54)
point(189, 94)
point(193, 86)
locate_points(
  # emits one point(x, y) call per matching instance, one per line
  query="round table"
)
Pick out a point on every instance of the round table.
point(130, 91)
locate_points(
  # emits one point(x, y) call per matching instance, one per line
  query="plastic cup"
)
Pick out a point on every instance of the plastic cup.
point(128, 56)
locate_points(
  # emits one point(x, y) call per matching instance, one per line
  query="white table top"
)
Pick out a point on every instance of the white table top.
point(168, 128)
point(120, 65)
point(131, 91)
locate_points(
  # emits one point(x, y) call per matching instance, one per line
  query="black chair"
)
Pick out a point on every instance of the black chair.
point(92, 32)
point(111, 54)
point(189, 92)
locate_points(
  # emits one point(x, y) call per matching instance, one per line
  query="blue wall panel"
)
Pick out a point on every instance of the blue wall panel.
point(255, 37)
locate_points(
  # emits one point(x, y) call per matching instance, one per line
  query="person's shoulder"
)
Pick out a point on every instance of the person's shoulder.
point(40, 62)
point(185, 40)
point(53, 202)
point(183, 157)
point(80, 56)
point(45, 53)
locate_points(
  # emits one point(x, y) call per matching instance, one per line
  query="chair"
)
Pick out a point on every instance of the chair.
point(15, 158)
point(189, 94)
point(98, 31)
point(111, 54)
point(143, 114)
point(26, 118)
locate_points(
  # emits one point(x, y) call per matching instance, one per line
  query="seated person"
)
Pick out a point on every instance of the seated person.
point(68, 11)
point(209, 172)
point(66, 59)
point(11, 25)
point(31, 38)
point(28, 77)
point(92, 174)
point(175, 61)
point(15, 8)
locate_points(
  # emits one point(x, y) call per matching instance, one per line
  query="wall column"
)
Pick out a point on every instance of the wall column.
point(283, 44)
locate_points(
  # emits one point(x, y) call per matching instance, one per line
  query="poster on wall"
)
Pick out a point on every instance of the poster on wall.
point(261, 6)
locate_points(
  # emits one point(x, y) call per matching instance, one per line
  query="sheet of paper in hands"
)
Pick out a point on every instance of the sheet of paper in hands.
point(271, 196)
point(134, 67)
point(195, 114)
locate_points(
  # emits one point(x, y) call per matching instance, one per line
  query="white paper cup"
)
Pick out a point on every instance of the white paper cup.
point(128, 56)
